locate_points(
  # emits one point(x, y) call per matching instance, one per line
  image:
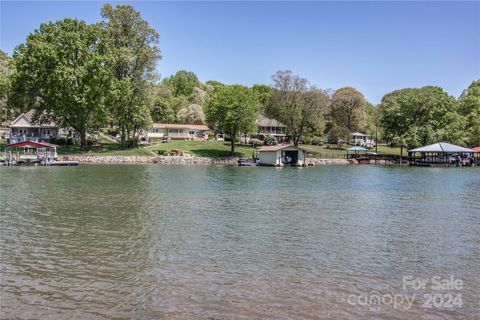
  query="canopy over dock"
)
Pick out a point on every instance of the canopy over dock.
point(30, 152)
point(442, 147)
point(442, 153)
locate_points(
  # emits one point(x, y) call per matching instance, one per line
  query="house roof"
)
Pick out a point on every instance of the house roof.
point(442, 147)
point(267, 122)
point(277, 147)
point(31, 144)
point(180, 126)
point(28, 121)
point(359, 134)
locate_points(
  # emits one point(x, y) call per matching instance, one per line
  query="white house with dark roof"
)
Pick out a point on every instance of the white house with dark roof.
point(362, 139)
point(178, 131)
point(24, 128)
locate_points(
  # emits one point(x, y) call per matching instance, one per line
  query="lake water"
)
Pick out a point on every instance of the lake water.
point(218, 242)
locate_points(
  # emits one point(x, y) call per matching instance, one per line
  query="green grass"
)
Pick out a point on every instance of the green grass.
point(196, 148)
point(332, 151)
point(201, 149)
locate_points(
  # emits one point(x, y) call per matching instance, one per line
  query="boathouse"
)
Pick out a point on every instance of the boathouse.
point(30, 152)
point(281, 155)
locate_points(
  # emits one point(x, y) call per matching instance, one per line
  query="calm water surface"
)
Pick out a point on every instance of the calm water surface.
point(215, 242)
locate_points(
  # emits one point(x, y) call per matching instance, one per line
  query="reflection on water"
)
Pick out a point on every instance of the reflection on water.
point(154, 242)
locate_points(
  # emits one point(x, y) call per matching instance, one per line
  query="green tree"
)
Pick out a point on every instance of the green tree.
point(469, 107)
point(299, 107)
point(214, 84)
point(134, 44)
point(192, 114)
point(348, 108)
point(199, 96)
point(163, 103)
point(64, 70)
point(415, 117)
point(182, 83)
point(264, 94)
point(233, 109)
point(338, 135)
point(6, 71)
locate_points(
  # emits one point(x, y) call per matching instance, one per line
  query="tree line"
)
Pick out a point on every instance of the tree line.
point(89, 76)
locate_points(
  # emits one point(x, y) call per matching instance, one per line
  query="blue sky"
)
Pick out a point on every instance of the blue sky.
point(375, 47)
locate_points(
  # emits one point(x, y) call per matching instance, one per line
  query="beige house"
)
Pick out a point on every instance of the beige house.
point(178, 131)
point(267, 126)
point(23, 128)
point(281, 155)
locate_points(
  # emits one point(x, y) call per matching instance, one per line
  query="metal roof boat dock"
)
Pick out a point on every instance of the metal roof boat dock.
point(33, 153)
point(443, 154)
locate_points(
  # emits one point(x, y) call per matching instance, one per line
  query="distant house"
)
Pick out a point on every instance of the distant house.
point(281, 155)
point(362, 139)
point(267, 126)
point(178, 131)
point(23, 128)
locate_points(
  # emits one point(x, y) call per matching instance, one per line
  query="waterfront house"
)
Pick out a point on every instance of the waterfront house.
point(178, 131)
point(24, 128)
point(281, 155)
point(267, 126)
point(362, 139)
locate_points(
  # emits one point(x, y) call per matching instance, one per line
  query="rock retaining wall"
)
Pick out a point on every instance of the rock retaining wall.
point(320, 162)
point(184, 160)
point(181, 160)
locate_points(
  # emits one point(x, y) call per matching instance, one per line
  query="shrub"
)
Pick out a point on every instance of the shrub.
point(112, 132)
point(256, 142)
point(318, 141)
point(62, 141)
point(162, 152)
point(270, 140)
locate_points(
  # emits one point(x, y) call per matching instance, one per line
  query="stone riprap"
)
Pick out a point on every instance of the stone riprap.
point(185, 160)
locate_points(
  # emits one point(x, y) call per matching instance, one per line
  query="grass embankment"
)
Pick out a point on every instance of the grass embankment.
point(334, 152)
point(199, 149)
point(195, 148)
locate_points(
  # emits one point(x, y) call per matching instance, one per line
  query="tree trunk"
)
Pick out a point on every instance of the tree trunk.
point(122, 135)
point(83, 139)
point(232, 145)
point(295, 140)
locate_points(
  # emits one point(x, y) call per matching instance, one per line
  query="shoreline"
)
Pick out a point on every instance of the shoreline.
point(184, 160)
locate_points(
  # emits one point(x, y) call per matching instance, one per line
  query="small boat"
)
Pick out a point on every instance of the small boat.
point(246, 162)
point(64, 163)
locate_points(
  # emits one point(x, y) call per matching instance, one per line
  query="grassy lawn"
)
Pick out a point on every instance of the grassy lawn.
point(196, 148)
point(333, 151)
point(200, 149)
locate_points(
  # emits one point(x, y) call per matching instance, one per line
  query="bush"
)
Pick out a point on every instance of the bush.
point(307, 140)
point(162, 152)
point(62, 141)
point(131, 143)
point(256, 142)
point(269, 140)
point(112, 132)
point(318, 141)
